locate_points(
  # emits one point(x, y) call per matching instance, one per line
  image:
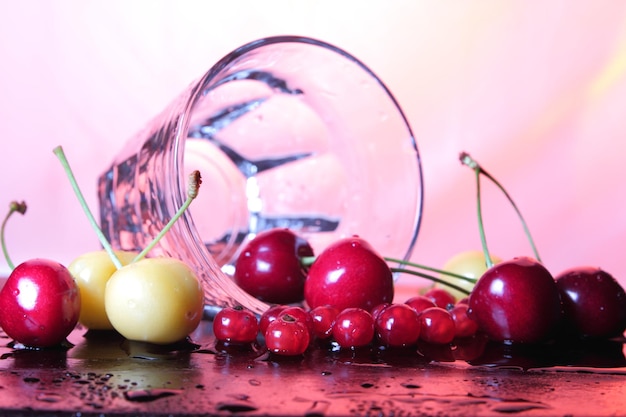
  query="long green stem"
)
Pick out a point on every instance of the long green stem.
point(429, 268)
point(194, 184)
point(470, 162)
point(58, 151)
point(431, 278)
point(481, 227)
point(13, 207)
point(519, 213)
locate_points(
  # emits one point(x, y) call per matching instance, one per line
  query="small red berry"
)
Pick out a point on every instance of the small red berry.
point(235, 325)
point(437, 326)
point(323, 318)
point(287, 336)
point(440, 297)
point(464, 326)
point(420, 303)
point(353, 328)
point(269, 316)
point(398, 325)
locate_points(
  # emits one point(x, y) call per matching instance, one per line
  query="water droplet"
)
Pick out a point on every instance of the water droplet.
point(49, 397)
point(145, 395)
point(236, 407)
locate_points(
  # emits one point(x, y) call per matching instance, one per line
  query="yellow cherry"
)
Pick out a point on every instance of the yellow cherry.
point(156, 300)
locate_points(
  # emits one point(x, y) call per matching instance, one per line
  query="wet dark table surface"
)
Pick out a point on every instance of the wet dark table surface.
point(104, 375)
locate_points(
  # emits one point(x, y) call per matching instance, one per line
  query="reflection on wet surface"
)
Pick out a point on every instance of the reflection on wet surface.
point(105, 374)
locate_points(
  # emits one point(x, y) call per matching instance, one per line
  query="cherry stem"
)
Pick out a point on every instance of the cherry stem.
point(192, 192)
point(13, 207)
point(58, 151)
point(466, 159)
point(432, 278)
point(429, 268)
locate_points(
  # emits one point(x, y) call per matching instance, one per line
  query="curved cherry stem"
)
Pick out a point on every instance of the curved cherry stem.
point(58, 151)
point(14, 206)
point(432, 278)
point(466, 159)
point(429, 268)
point(192, 192)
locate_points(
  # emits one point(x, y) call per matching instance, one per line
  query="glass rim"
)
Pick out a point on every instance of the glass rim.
point(226, 60)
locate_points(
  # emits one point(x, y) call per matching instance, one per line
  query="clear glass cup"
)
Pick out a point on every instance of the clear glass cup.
point(286, 132)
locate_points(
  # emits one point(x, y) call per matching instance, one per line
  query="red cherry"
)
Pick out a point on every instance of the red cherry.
point(594, 303)
point(349, 274)
point(420, 303)
point(300, 315)
point(398, 325)
point(378, 309)
point(287, 336)
point(269, 316)
point(270, 269)
point(39, 303)
point(516, 301)
point(323, 318)
point(437, 326)
point(235, 325)
point(441, 297)
point(463, 325)
point(353, 328)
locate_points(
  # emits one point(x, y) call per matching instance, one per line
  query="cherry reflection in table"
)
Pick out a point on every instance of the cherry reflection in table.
point(103, 374)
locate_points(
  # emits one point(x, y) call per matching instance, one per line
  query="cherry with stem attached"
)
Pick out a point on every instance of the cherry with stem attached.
point(515, 301)
point(15, 206)
point(158, 300)
point(39, 302)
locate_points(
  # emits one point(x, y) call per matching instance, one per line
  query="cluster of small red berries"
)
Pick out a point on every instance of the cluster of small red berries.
point(435, 318)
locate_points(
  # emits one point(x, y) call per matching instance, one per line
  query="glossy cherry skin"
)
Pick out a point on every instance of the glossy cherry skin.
point(269, 316)
point(398, 325)
point(594, 303)
point(235, 325)
point(39, 303)
point(353, 328)
point(323, 319)
point(349, 273)
point(437, 326)
point(463, 325)
point(516, 301)
point(300, 315)
point(287, 336)
point(420, 303)
point(270, 269)
point(441, 297)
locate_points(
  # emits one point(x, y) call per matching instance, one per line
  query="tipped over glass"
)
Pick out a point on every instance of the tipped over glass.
point(287, 132)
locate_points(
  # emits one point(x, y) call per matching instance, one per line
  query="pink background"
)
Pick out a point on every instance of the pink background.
point(535, 90)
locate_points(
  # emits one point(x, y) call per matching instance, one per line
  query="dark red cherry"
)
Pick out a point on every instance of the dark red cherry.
point(349, 274)
point(594, 303)
point(270, 269)
point(441, 297)
point(398, 325)
point(516, 301)
point(420, 303)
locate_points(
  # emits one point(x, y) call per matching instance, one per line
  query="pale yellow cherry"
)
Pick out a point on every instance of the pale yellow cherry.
point(156, 300)
point(470, 264)
point(91, 271)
